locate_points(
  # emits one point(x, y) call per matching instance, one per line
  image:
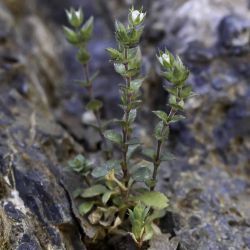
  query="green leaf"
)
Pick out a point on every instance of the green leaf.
point(149, 153)
point(83, 56)
point(161, 131)
point(133, 141)
point(115, 54)
point(142, 174)
point(148, 233)
point(172, 90)
point(172, 100)
point(136, 84)
point(162, 115)
point(94, 191)
point(131, 150)
point(132, 116)
point(85, 207)
point(103, 170)
point(156, 215)
point(94, 76)
point(106, 196)
point(135, 104)
point(80, 164)
point(86, 30)
point(186, 92)
point(113, 136)
point(120, 69)
point(77, 192)
point(153, 199)
point(167, 157)
point(177, 118)
point(71, 35)
point(94, 105)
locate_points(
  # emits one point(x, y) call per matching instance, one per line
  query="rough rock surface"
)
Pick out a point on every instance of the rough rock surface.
point(41, 128)
point(35, 208)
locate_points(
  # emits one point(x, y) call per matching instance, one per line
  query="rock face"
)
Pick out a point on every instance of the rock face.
point(35, 208)
point(209, 184)
point(41, 128)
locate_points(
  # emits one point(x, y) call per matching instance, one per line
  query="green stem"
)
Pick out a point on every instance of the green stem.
point(86, 179)
point(125, 131)
point(96, 113)
point(157, 160)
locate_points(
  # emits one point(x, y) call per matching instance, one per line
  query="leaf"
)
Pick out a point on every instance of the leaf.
point(104, 169)
point(149, 153)
point(132, 116)
point(95, 216)
point(86, 30)
point(156, 215)
point(161, 131)
point(135, 104)
point(172, 100)
point(177, 118)
point(83, 56)
point(186, 92)
point(136, 84)
point(113, 136)
point(77, 192)
point(85, 207)
point(148, 234)
point(94, 105)
point(120, 68)
point(106, 196)
point(94, 191)
point(80, 164)
point(115, 54)
point(171, 90)
point(71, 35)
point(142, 174)
point(167, 157)
point(162, 115)
point(133, 141)
point(131, 150)
point(153, 199)
point(94, 76)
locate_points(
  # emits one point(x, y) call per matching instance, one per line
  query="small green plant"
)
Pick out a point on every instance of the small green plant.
point(121, 197)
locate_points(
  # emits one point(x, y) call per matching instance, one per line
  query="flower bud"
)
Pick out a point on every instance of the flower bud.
point(75, 17)
point(165, 59)
point(136, 17)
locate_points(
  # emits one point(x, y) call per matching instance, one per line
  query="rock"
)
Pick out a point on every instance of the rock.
point(35, 207)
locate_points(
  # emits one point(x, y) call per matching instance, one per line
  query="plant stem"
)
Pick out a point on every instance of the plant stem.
point(157, 160)
point(86, 179)
point(125, 130)
point(96, 113)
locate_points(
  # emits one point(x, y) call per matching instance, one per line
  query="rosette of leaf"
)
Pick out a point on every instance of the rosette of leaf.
point(80, 165)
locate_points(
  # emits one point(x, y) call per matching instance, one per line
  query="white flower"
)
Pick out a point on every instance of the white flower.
point(164, 59)
point(137, 17)
point(135, 14)
point(75, 17)
point(79, 14)
point(69, 14)
point(88, 117)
